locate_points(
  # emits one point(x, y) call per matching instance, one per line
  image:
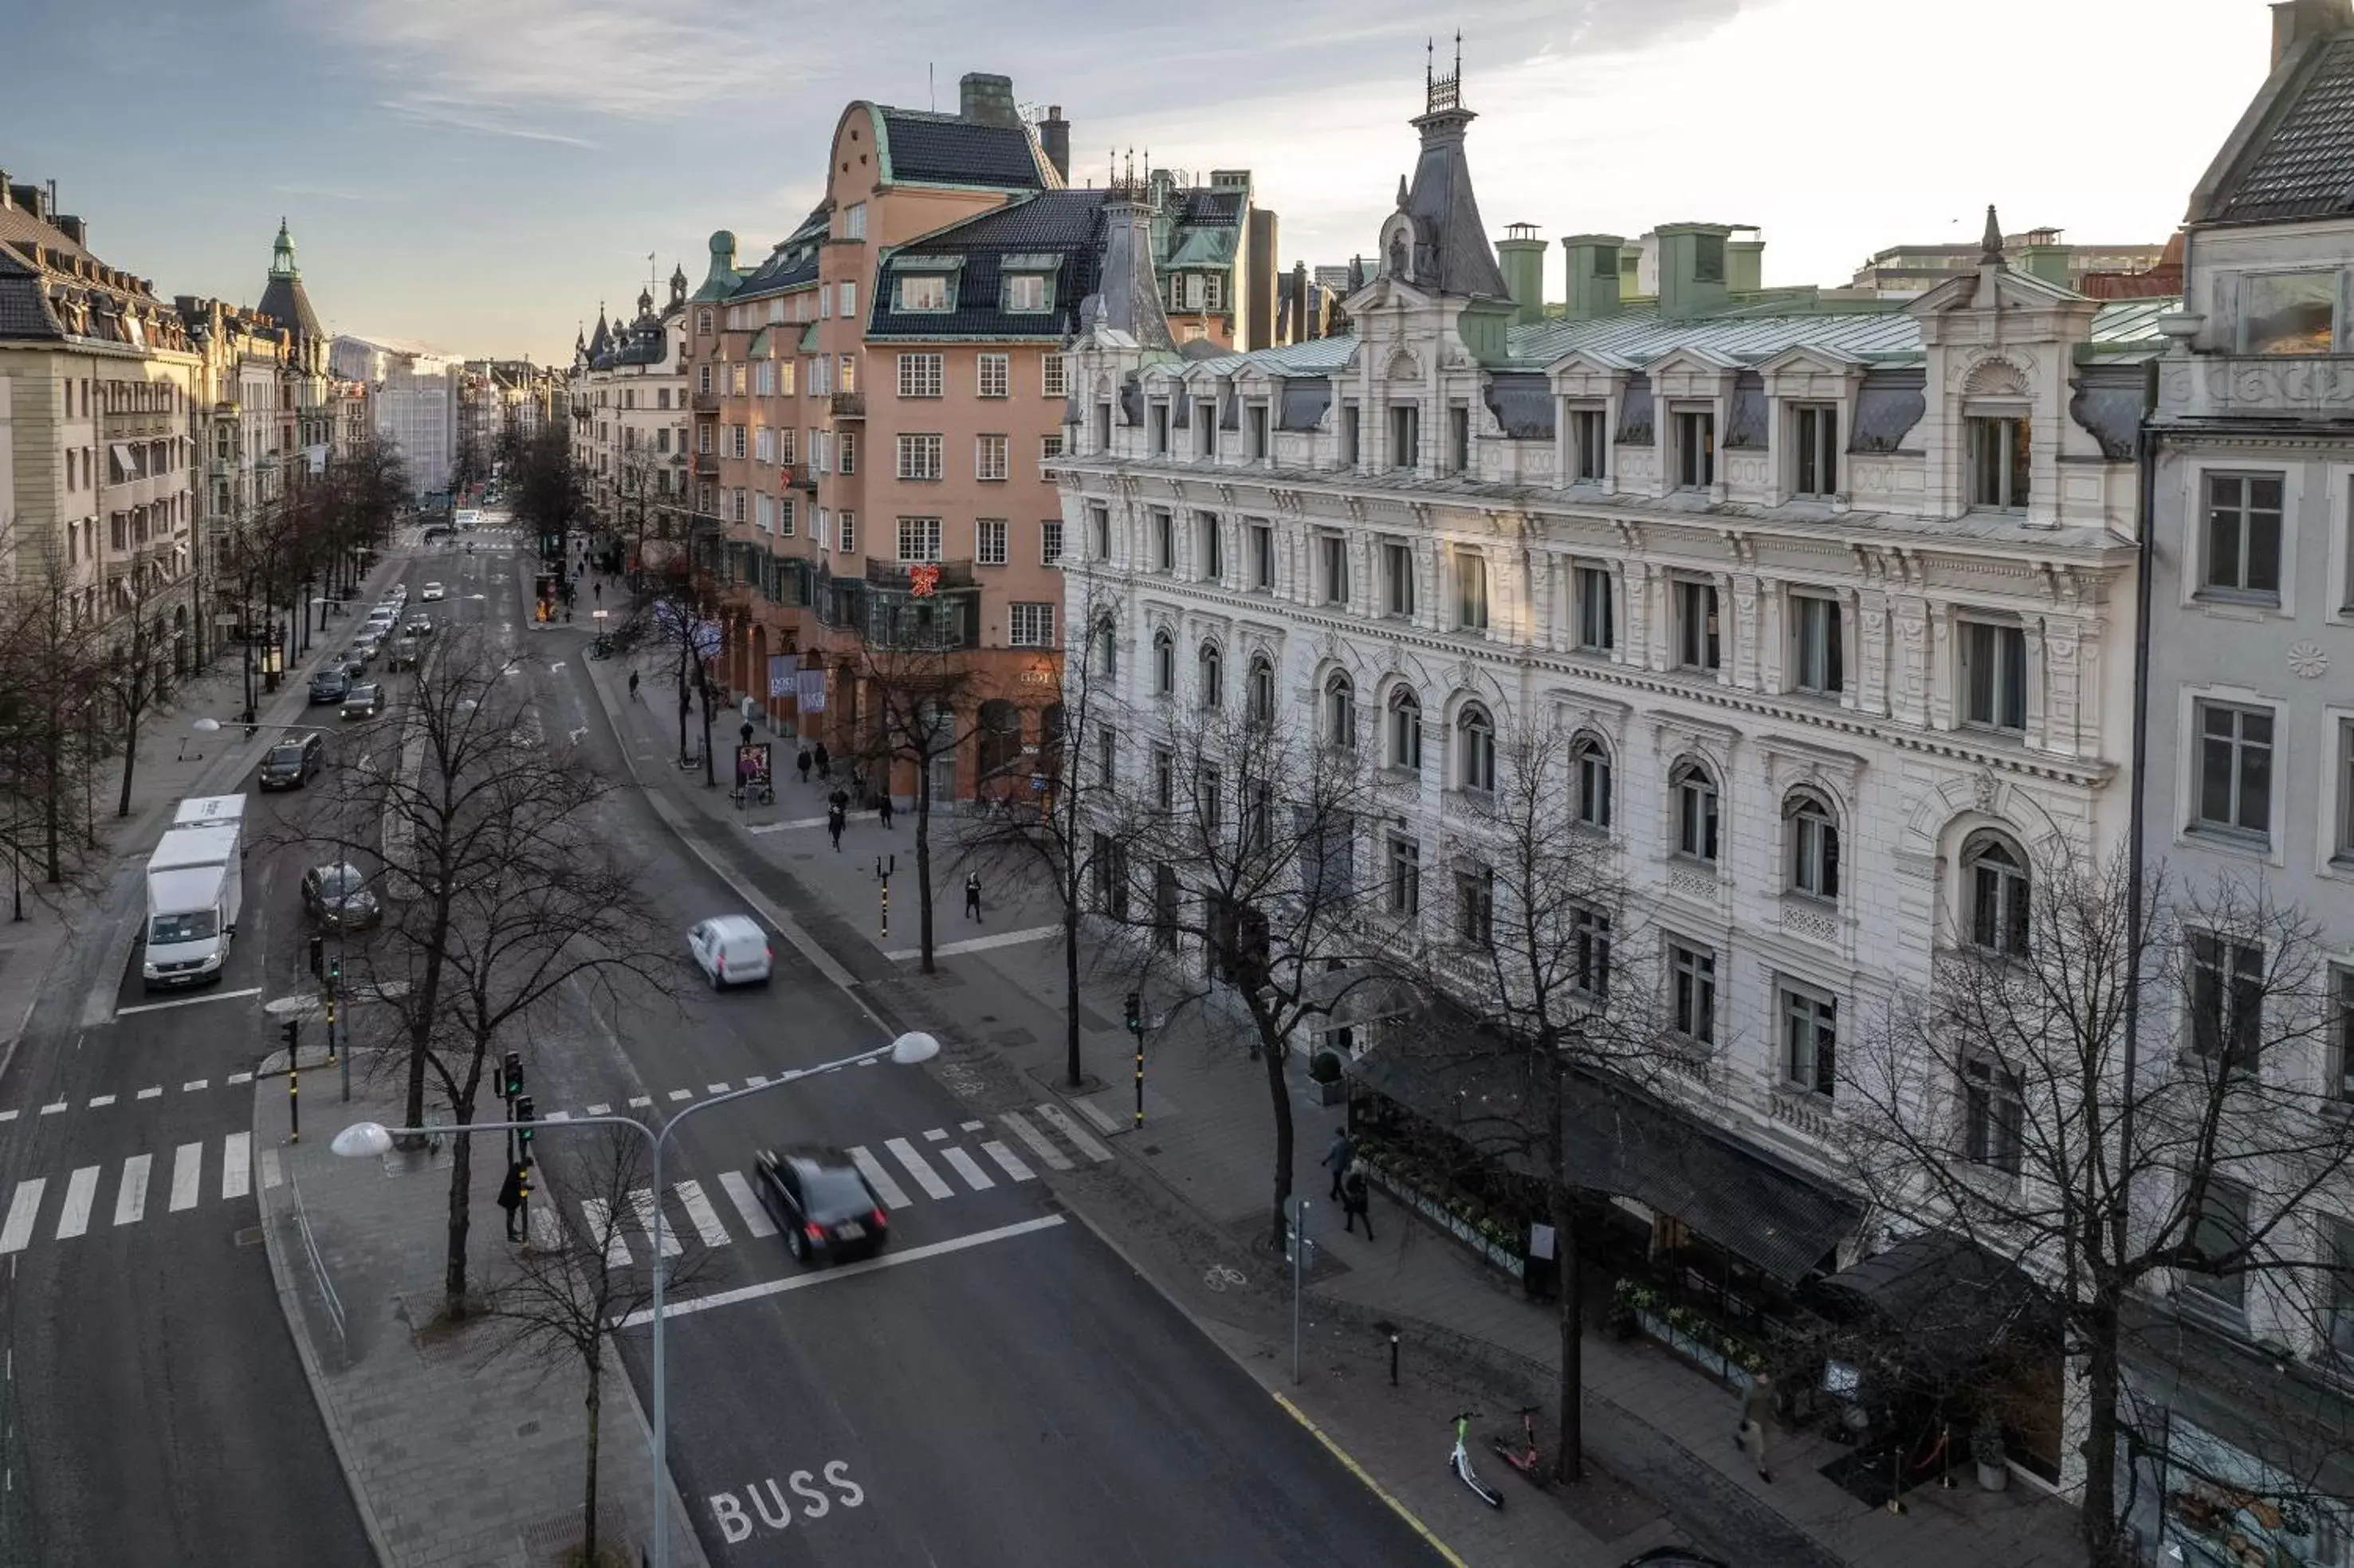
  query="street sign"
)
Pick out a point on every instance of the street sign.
point(1294, 1208)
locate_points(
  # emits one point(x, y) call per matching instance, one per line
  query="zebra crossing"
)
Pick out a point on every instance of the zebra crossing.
point(926, 1162)
point(30, 1216)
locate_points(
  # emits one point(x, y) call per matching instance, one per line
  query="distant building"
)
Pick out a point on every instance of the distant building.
point(412, 400)
point(627, 397)
point(1916, 269)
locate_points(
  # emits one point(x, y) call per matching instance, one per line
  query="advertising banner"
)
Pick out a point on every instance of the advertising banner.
point(780, 675)
point(811, 690)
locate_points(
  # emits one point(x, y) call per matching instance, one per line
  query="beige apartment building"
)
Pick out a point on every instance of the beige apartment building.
point(101, 373)
point(628, 401)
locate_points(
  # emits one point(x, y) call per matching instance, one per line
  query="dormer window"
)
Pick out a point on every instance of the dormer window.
point(1254, 421)
point(1814, 442)
point(1026, 293)
point(921, 295)
point(1589, 449)
point(1998, 454)
point(1695, 431)
point(2288, 313)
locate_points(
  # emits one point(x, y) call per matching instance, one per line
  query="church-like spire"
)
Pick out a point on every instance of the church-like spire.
point(1450, 250)
point(281, 255)
point(283, 299)
point(1990, 242)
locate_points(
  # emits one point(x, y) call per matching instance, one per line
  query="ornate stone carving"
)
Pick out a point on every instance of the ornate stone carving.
point(1692, 884)
point(2307, 660)
point(1797, 920)
point(1995, 378)
point(1982, 790)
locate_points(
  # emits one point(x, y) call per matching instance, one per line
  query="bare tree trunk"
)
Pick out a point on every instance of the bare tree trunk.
point(1569, 1465)
point(1073, 1072)
point(924, 859)
point(461, 1173)
point(421, 1028)
point(2105, 1542)
point(1278, 1095)
point(596, 1409)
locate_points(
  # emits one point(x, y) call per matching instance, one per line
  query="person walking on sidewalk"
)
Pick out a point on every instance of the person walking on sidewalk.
point(802, 762)
point(633, 686)
point(838, 804)
point(833, 824)
point(824, 763)
point(1338, 1157)
point(1756, 1405)
point(511, 1200)
point(972, 896)
point(882, 805)
point(1356, 1200)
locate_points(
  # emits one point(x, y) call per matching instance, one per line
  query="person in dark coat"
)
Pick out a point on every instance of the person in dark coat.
point(885, 808)
point(972, 896)
point(824, 762)
point(833, 824)
point(1338, 1157)
point(802, 762)
point(838, 804)
point(511, 1200)
point(1356, 1200)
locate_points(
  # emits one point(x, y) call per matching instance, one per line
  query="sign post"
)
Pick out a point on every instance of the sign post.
point(1301, 1252)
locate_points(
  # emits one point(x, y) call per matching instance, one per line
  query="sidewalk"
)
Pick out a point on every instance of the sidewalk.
point(1196, 1194)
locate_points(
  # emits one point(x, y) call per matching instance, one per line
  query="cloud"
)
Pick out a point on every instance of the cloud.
point(425, 111)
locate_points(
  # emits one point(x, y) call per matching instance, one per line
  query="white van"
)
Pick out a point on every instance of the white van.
point(731, 950)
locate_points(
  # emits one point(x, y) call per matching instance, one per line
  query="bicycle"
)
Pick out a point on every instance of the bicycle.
point(1218, 1276)
point(1461, 1463)
point(1523, 1456)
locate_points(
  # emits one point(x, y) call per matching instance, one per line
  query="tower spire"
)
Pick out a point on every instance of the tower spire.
point(1990, 243)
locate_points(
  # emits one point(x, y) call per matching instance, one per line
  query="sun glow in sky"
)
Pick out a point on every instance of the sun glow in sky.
point(482, 176)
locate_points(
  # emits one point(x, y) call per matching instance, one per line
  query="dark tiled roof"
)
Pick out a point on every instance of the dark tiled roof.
point(942, 149)
point(2301, 165)
point(1210, 204)
point(22, 311)
point(284, 301)
point(1065, 222)
point(794, 259)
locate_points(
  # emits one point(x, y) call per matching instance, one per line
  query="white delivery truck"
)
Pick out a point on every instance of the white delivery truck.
point(211, 811)
point(196, 886)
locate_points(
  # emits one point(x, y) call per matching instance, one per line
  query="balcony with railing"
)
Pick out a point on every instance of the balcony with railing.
point(800, 476)
point(850, 405)
point(884, 611)
point(707, 465)
point(707, 402)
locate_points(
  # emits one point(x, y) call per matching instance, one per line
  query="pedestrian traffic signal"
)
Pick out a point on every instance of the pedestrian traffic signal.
point(318, 955)
point(1135, 1013)
point(511, 1074)
point(523, 1180)
point(524, 1114)
point(335, 970)
point(293, 1031)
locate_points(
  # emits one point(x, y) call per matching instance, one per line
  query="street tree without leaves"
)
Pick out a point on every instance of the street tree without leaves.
point(562, 1303)
point(134, 673)
point(501, 890)
point(49, 750)
point(1241, 837)
point(2009, 1107)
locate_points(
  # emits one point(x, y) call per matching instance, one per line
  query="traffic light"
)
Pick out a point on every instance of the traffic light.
point(511, 1077)
point(335, 970)
point(318, 955)
point(524, 1114)
point(292, 1030)
point(1135, 1013)
point(523, 1180)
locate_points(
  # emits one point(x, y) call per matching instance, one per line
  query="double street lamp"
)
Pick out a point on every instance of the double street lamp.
point(370, 1141)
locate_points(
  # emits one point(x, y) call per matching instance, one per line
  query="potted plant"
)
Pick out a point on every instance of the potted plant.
point(1986, 1449)
point(1324, 1072)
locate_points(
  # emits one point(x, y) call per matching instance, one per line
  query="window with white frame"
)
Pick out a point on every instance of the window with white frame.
point(2288, 313)
point(1470, 591)
point(1597, 629)
point(1994, 675)
point(1025, 294)
point(1589, 450)
point(989, 459)
point(1405, 747)
point(848, 308)
point(1589, 764)
point(847, 451)
point(995, 375)
point(1163, 524)
point(1698, 644)
point(853, 221)
point(2342, 762)
point(845, 527)
point(989, 542)
point(1340, 710)
point(920, 538)
point(846, 378)
point(2234, 770)
point(1695, 455)
point(1100, 530)
point(1209, 561)
point(1994, 1115)
point(764, 445)
point(2240, 538)
point(919, 457)
point(1164, 664)
point(1995, 878)
point(1054, 375)
point(2225, 982)
point(1998, 451)
point(1262, 557)
point(1030, 625)
point(1404, 876)
point(785, 377)
point(1258, 693)
point(1810, 1039)
point(1814, 846)
point(785, 515)
point(1050, 542)
point(920, 293)
point(1210, 676)
point(1691, 990)
point(1475, 907)
point(920, 375)
point(1397, 579)
point(1590, 952)
point(1333, 553)
point(1475, 742)
point(1405, 434)
point(1050, 446)
point(1692, 794)
point(2219, 1233)
point(785, 444)
point(1817, 657)
point(1814, 450)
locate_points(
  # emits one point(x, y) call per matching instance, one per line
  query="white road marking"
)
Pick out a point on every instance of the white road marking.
point(846, 1271)
point(1055, 1116)
point(237, 1165)
point(271, 1175)
point(935, 1135)
point(601, 1110)
point(1007, 1161)
point(757, 1081)
point(99, 1102)
point(971, 1126)
point(1054, 1158)
point(641, 1201)
point(53, 1109)
point(21, 1210)
point(187, 1167)
point(893, 1195)
point(188, 1001)
point(715, 1089)
point(81, 1187)
point(966, 1166)
point(980, 944)
point(148, 1094)
point(602, 1223)
point(557, 1115)
point(192, 1084)
point(245, 1078)
point(739, 1193)
point(917, 1167)
point(699, 1210)
point(546, 1231)
point(130, 1198)
point(679, 1095)
point(641, 1101)
point(11, 1116)
point(1104, 1121)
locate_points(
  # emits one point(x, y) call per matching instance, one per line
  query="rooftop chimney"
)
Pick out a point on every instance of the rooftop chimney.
point(1693, 273)
point(73, 229)
point(1055, 136)
point(987, 100)
point(1744, 263)
point(1592, 267)
point(2295, 21)
point(1521, 256)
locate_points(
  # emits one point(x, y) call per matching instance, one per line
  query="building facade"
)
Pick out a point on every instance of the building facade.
point(628, 398)
point(102, 380)
point(1831, 601)
point(412, 401)
point(2249, 774)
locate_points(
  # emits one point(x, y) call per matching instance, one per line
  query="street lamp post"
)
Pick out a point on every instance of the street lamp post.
point(369, 1139)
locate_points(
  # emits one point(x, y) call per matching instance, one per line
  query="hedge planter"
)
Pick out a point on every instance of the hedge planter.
point(1490, 1250)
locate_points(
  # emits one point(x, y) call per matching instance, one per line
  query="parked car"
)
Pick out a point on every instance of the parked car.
point(821, 1201)
point(433, 592)
point(356, 662)
point(291, 764)
point(330, 685)
point(731, 950)
point(404, 653)
point(338, 895)
point(364, 701)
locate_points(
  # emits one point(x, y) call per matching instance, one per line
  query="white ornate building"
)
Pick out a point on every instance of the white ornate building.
point(1837, 602)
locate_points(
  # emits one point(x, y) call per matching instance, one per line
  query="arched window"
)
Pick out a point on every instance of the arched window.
point(1589, 766)
point(1475, 739)
point(1695, 794)
point(1107, 650)
point(1340, 710)
point(1210, 675)
point(1406, 730)
point(1995, 874)
point(1164, 664)
point(1814, 846)
point(1260, 697)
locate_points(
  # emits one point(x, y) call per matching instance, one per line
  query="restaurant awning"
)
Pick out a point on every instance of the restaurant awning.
point(1624, 1141)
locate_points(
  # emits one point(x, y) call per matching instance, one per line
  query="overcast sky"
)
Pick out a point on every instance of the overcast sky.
point(480, 174)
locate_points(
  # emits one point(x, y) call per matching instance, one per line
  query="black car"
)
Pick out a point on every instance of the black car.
point(823, 1204)
point(364, 701)
point(1674, 1557)
point(330, 685)
point(291, 764)
point(339, 895)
